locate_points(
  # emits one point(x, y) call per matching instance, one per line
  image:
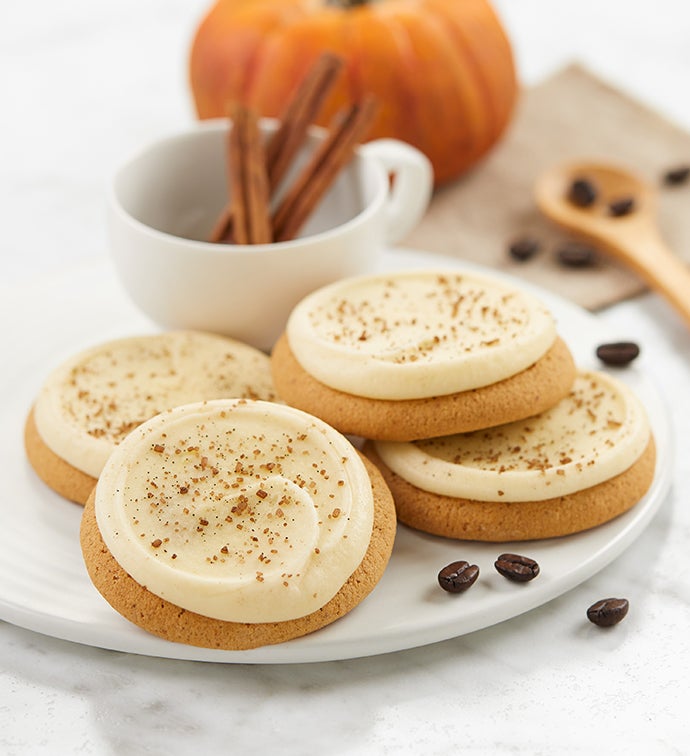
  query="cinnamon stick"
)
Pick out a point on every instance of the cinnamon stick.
point(238, 200)
point(256, 183)
point(323, 167)
point(301, 112)
point(248, 180)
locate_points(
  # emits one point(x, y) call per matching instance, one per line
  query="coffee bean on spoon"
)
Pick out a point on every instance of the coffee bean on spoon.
point(618, 353)
point(457, 577)
point(608, 612)
point(517, 567)
point(621, 207)
point(582, 192)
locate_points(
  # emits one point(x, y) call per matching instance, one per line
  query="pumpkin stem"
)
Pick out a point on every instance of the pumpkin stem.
point(346, 3)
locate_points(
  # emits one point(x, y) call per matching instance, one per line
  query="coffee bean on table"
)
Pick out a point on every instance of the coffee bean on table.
point(622, 206)
point(458, 576)
point(582, 192)
point(618, 353)
point(676, 176)
point(608, 612)
point(523, 248)
point(576, 255)
point(516, 567)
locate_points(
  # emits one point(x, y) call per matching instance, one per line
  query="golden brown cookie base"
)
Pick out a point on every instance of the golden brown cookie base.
point(59, 475)
point(173, 623)
point(518, 521)
point(528, 393)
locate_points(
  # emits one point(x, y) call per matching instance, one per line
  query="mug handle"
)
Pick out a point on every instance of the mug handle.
point(411, 190)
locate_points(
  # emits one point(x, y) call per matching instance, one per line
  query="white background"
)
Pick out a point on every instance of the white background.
point(84, 83)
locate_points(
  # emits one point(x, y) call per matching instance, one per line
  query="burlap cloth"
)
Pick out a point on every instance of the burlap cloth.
point(571, 115)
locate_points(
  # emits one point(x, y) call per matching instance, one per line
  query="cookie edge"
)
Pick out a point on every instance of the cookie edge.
point(53, 470)
point(525, 394)
point(502, 521)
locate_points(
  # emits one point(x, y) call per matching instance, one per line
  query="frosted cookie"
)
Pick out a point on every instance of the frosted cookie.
point(575, 466)
point(92, 401)
point(235, 524)
point(418, 354)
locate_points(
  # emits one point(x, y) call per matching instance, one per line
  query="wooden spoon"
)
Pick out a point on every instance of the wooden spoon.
point(633, 239)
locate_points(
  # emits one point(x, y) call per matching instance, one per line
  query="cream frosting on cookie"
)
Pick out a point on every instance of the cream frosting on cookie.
point(91, 402)
point(240, 510)
point(597, 432)
point(418, 334)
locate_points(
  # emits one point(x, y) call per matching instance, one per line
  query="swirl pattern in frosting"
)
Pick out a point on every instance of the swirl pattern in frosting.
point(240, 510)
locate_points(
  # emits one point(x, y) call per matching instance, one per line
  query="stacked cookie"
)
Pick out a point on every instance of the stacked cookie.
point(470, 402)
point(420, 354)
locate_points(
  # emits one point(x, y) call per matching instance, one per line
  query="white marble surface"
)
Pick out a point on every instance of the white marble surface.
point(85, 83)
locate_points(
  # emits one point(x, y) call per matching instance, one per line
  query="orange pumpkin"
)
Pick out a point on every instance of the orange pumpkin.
point(442, 69)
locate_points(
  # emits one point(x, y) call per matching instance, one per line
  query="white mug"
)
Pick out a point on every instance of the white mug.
point(163, 203)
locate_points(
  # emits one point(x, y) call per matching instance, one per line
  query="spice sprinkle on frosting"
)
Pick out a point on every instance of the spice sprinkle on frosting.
point(240, 510)
point(418, 334)
point(91, 402)
point(598, 431)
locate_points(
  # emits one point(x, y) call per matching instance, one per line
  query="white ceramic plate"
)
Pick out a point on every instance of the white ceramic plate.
point(44, 585)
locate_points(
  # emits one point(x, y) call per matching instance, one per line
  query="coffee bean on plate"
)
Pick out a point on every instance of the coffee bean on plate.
point(618, 353)
point(576, 255)
point(523, 248)
point(608, 612)
point(457, 577)
point(676, 176)
point(622, 206)
point(517, 567)
point(582, 192)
